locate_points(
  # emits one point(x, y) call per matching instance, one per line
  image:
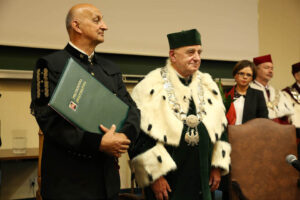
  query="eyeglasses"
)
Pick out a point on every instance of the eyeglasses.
point(242, 74)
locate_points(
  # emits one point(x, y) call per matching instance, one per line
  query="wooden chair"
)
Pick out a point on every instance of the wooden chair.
point(39, 179)
point(258, 167)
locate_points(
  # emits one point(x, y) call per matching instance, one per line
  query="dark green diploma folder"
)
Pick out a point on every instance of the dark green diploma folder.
point(85, 102)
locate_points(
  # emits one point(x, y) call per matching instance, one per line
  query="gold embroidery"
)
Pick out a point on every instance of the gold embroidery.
point(38, 84)
point(46, 83)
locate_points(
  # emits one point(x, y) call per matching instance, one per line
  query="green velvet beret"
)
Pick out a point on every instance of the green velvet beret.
point(184, 38)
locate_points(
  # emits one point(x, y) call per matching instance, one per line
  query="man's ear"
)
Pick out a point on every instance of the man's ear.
point(75, 26)
point(172, 55)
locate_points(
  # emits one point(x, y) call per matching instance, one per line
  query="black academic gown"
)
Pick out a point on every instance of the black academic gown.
point(72, 166)
point(255, 105)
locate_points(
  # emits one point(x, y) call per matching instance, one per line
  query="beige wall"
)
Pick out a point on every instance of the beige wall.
point(15, 117)
point(279, 35)
point(16, 121)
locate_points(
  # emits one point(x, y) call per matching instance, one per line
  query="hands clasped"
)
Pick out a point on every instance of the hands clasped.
point(114, 143)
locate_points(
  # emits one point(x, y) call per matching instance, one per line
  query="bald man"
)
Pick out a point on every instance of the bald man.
point(77, 164)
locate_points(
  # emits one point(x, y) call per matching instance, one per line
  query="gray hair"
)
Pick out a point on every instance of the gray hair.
point(69, 19)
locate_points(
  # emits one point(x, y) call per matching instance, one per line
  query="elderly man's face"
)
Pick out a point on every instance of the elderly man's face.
point(92, 25)
point(265, 71)
point(186, 60)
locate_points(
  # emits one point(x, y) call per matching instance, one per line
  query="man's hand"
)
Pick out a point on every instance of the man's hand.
point(214, 179)
point(161, 188)
point(113, 143)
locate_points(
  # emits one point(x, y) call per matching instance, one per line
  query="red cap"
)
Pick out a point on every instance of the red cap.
point(295, 68)
point(262, 59)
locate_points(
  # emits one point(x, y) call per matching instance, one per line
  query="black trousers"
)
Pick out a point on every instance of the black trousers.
point(224, 187)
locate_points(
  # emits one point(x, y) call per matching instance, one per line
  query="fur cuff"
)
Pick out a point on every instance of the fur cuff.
point(152, 164)
point(221, 156)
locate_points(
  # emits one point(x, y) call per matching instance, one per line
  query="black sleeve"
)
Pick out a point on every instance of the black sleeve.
point(262, 110)
point(55, 128)
point(131, 126)
point(142, 144)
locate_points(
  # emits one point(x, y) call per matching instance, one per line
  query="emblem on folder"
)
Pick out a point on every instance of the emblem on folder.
point(73, 105)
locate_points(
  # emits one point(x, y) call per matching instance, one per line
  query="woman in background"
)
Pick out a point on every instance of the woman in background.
point(246, 103)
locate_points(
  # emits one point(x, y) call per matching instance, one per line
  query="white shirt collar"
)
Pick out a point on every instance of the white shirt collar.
point(81, 51)
point(298, 84)
point(261, 85)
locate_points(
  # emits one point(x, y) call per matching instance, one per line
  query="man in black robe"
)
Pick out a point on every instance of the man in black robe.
point(77, 164)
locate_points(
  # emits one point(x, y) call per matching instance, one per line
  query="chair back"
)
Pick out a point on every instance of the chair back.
point(258, 161)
